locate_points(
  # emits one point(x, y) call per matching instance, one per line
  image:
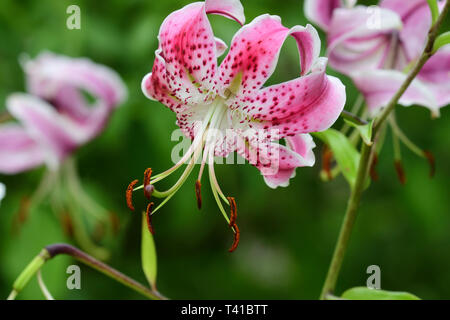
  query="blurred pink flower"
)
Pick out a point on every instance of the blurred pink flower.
point(374, 45)
point(56, 116)
point(230, 97)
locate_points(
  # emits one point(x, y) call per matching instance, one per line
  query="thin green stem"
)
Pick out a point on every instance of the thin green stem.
point(53, 250)
point(366, 158)
point(347, 225)
point(406, 141)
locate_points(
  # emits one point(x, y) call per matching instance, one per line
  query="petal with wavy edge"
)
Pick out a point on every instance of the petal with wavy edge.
point(57, 134)
point(255, 50)
point(277, 163)
point(416, 18)
point(18, 151)
point(436, 75)
point(320, 12)
point(231, 9)
point(60, 79)
point(307, 104)
point(188, 51)
point(360, 38)
point(379, 86)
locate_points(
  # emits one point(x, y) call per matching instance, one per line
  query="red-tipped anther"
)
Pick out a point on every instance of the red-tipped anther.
point(198, 193)
point(148, 214)
point(400, 172)
point(327, 156)
point(237, 236)
point(147, 176)
point(373, 168)
point(233, 210)
point(431, 161)
point(115, 222)
point(129, 194)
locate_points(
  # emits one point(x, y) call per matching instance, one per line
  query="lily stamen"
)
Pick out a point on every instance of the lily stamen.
point(129, 194)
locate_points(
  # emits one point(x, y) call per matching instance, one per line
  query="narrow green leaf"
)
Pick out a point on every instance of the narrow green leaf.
point(434, 10)
point(346, 155)
point(441, 40)
point(364, 293)
point(148, 253)
point(365, 131)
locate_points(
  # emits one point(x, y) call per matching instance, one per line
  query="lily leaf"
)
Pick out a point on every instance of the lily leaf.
point(441, 40)
point(364, 293)
point(346, 155)
point(148, 254)
point(365, 131)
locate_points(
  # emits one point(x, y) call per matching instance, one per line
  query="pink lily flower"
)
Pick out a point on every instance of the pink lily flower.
point(365, 42)
point(431, 88)
point(230, 98)
point(55, 117)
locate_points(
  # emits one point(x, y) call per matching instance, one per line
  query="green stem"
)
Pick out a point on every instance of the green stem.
point(365, 160)
point(347, 225)
point(53, 250)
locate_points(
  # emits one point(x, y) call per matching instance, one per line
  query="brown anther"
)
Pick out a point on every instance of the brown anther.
point(67, 224)
point(24, 210)
point(198, 193)
point(431, 161)
point(147, 176)
point(400, 171)
point(115, 222)
point(237, 236)
point(327, 157)
point(233, 210)
point(129, 194)
point(148, 214)
point(373, 166)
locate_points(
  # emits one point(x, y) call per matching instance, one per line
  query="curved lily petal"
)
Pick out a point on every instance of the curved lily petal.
point(255, 49)
point(61, 79)
point(57, 134)
point(188, 54)
point(277, 163)
point(361, 38)
point(320, 12)
point(221, 47)
point(18, 151)
point(232, 9)
point(436, 75)
point(379, 86)
point(416, 18)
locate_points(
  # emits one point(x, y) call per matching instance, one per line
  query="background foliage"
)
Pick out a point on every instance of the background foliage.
point(288, 234)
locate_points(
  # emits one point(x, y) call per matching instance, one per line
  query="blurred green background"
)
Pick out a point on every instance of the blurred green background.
point(287, 234)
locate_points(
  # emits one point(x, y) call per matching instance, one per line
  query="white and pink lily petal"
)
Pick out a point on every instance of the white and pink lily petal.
point(18, 150)
point(430, 89)
point(231, 97)
point(277, 163)
point(56, 134)
point(388, 36)
point(66, 82)
point(320, 12)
